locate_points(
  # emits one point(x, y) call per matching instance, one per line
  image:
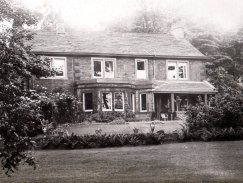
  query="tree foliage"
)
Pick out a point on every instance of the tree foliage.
point(146, 20)
point(20, 116)
point(222, 121)
point(225, 52)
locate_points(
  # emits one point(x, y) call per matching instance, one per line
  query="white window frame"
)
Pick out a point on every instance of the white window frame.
point(140, 103)
point(102, 60)
point(145, 67)
point(123, 102)
point(177, 69)
point(102, 102)
point(65, 68)
point(92, 67)
point(133, 101)
point(109, 60)
point(87, 110)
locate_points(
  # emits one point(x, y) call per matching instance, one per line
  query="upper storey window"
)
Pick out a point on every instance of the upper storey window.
point(59, 66)
point(141, 68)
point(177, 70)
point(103, 67)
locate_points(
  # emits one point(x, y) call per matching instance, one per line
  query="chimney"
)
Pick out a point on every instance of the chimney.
point(177, 31)
point(60, 28)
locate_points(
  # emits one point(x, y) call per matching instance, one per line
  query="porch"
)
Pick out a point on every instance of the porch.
point(173, 97)
point(169, 105)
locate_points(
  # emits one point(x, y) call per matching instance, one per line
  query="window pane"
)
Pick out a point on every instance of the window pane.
point(118, 100)
point(58, 65)
point(141, 70)
point(97, 69)
point(109, 69)
point(143, 102)
point(140, 65)
point(171, 70)
point(88, 101)
point(106, 101)
point(133, 102)
point(182, 70)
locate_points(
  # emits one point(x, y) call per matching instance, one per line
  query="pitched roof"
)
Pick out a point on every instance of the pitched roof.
point(184, 87)
point(114, 43)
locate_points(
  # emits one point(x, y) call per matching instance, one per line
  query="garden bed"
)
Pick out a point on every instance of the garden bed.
point(105, 140)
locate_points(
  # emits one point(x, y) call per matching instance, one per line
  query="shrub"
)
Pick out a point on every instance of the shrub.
point(222, 121)
point(61, 107)
point(58, 106)
point(100, 140)
point(65, 108)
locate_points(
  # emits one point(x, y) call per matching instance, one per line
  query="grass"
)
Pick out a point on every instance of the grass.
point(144, 127)
point(182, 162)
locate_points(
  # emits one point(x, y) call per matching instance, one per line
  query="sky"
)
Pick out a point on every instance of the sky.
point(223, 15)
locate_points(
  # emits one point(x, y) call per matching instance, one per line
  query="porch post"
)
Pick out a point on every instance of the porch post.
point(153, 105)
point(206, 99)
point(172, 102)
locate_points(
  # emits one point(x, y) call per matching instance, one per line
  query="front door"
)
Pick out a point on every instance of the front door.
point(162, 104)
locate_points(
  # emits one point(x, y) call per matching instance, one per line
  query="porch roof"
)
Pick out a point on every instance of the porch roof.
point(183, 87)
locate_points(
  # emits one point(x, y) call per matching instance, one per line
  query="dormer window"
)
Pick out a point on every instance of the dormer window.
point(177, 70)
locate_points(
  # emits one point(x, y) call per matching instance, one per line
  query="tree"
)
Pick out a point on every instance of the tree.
point(20, 116)
point(146, 20)
point(223, 49)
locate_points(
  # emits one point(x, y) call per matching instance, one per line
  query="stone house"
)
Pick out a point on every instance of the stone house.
point(145, 73)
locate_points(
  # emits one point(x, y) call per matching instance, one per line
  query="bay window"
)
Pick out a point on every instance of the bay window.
point(87, 102)
point(119, 101)
point(133, 102)
point(143, 102)
point(107, 101)
point(112, 100)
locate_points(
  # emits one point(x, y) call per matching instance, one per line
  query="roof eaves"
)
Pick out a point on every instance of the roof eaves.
point(119, 55)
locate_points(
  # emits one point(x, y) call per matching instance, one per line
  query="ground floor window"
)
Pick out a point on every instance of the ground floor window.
point(143, 102)
point(119, 101)
point(112, 100)
point(88, 102)
point(107, 101)
point(133, 102)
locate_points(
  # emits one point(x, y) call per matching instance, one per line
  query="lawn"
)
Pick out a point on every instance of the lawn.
point(143, 127)
point(181, 162)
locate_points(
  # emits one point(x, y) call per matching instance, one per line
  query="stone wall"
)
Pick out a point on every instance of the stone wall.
point(79, 71)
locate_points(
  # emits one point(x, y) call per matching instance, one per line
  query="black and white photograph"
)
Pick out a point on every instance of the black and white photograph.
point(121, 91)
